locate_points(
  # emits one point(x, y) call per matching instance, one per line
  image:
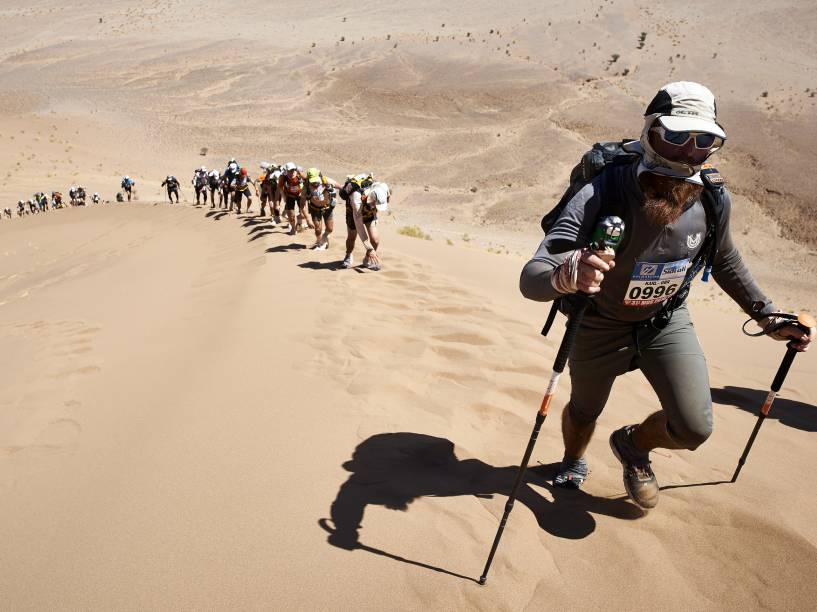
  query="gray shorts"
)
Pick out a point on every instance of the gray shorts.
point(671, 359)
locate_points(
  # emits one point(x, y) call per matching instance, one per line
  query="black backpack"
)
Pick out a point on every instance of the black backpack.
point(591, 164)
point(611, 153)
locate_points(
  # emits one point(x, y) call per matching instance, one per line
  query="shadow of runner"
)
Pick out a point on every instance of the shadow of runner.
point(789, 412)
point(251, 221)
point(324, 523)
point(283, 248)
point(265, 227)
point(394, 469)
point(320, 265)
point(261, 234)
point(216, 215)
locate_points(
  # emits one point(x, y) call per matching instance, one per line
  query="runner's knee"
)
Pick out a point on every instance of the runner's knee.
point(582, 416)
point(691, 429)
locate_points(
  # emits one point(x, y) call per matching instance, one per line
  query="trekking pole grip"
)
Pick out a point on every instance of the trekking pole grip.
point(804, 322)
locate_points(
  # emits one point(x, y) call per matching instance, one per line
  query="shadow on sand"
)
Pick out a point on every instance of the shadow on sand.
point(789, 412)
point(320, 265)
point(283, 248)
point(260, 226)
point(394, 469)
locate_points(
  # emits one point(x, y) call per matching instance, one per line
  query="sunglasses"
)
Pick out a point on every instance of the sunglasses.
point(673, 145)
point(703, 140)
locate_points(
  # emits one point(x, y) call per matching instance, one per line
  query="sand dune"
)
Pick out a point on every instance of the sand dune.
point(186, 402)
point(196, 411)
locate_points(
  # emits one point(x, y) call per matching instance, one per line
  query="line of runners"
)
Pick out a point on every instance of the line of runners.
point(40, 202)
point(304, 199)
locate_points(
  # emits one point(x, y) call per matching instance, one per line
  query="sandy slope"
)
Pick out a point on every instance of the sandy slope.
point(185, 393)
point(190, 402)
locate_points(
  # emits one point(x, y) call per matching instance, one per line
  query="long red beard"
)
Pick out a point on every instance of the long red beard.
point(666, 197)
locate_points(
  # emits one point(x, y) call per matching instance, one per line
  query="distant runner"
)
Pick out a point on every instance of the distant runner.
point(290, 186)
point(127, 185)
point(268, 190)
point(364, 198)
point(199, 182)
point(319, 194)
point(227, 183)
point(42, 201)
point(213, 180)
point(81, 195)
point(241, 189)
point(171, 183)
point(638, 319)
point(77, 195)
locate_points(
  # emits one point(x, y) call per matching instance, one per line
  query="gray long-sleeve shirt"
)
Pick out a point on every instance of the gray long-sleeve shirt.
point(653, 260)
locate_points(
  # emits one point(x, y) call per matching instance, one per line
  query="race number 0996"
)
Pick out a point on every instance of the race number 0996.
point(646, 293)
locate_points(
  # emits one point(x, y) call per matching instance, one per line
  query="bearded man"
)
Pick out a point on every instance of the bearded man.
point(638, 319)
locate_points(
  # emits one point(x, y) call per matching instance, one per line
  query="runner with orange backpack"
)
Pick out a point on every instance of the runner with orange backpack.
point(290, 188)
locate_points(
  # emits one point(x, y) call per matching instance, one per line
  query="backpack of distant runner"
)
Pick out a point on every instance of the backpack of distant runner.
point(293, 185)
point(355, 183)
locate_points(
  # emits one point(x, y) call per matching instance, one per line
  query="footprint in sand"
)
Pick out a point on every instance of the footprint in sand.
point(60, 433)
point(471, 338)
point(461, 310)
point(452, 353)
point(83, 371)
point(466, 380)
point(523, 394)
point(396, 274)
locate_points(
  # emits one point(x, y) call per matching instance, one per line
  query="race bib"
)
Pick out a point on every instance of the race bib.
point(652, 283)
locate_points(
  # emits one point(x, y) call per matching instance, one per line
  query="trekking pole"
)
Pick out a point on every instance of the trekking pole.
point(606, 239)
point(804, 322)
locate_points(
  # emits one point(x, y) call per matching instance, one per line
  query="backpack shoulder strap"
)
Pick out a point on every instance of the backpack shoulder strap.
point(712, 200)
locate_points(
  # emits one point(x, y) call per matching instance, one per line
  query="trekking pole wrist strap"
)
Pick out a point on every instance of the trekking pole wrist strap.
point(773, 322)
point(564, 278)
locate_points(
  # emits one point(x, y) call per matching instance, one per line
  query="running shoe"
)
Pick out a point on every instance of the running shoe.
point(348, 262)
point(572, 473)
point(639, 479)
